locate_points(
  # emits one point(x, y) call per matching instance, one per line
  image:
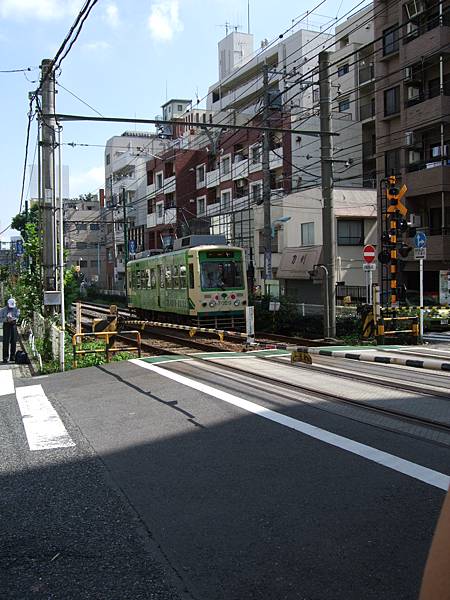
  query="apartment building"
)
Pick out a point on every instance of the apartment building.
point(126, 182)
point(213, 186)
point(412, 96)
point(353, 111)
point(84, 235)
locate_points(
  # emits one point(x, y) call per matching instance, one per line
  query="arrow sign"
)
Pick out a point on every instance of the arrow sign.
point(369, 253)
point(420, 240)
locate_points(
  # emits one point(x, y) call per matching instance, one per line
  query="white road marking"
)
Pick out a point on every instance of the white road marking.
point(429, 476)
point(43, 427)
point(6, 382)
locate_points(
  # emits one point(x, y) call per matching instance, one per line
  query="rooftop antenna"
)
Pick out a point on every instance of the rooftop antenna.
point(248, 16)
point(227, 26)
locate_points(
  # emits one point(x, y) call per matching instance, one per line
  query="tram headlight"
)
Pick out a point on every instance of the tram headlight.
point(237, 302)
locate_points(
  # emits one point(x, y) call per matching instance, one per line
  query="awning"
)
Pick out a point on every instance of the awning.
point(296, 262)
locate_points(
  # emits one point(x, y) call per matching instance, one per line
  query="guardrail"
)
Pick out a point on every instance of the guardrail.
point(108, 349)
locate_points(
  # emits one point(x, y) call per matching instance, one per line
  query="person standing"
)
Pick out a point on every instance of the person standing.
point(9, 316)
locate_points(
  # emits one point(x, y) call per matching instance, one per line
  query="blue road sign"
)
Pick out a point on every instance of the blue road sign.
point(19, 248)
point(132, 246)
point(420, 240)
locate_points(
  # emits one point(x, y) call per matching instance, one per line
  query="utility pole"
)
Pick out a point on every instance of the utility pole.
point(48, 175)
point(125, 238)
point(266, 180)
point(328, 219)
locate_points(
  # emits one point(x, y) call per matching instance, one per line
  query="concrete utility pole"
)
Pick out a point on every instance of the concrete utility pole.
point(125, 238)
point(48, 175)
point(266, 179)
point(328, 220)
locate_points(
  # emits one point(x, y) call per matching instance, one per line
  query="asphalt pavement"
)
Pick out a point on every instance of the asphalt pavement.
point(172, 491)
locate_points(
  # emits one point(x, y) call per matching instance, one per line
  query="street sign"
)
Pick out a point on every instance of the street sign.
point(369, 253)
point(420, 240)
point(19, 247)
point(132, 246)
point(420, 253)
point(369, 267)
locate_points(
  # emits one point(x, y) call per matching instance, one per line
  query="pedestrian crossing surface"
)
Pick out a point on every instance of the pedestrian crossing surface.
point(43, 427)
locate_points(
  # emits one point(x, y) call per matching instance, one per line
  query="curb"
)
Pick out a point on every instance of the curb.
point(431, 363)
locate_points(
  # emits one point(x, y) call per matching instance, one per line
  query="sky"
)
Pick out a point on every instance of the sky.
point(128, 54)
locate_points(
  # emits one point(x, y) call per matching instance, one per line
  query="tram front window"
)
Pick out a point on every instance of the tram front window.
point(221, 275)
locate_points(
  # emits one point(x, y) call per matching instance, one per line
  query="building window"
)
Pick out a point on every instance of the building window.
point(307, 234)
point(160, 210)
point(170, 200)
point(392, 101)
point(256, 154)
point(225, 201)
point(344, 105)
point(180, 107)
point(108, 159)
point(343, 70)
point(350, 232)
point(81, 226)
point(149, 177)
point(159, 181)
point(256, 192)
point(200, 174)
point(201, 206)
point(392, 162)
point(435, 150)
point(83, 263)
point(94, 227)
point(226, 165)
point(390, 40)
point(316, 95)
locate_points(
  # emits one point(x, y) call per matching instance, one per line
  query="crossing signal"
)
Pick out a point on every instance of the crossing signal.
point(394, 196)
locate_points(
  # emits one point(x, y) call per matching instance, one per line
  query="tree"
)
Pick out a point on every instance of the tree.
point(20, 220)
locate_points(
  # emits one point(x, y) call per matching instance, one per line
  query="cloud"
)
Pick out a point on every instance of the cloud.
point(164, 20)
point(87, 181)
point(94, 46)
point(112, 15)
point(44, 10)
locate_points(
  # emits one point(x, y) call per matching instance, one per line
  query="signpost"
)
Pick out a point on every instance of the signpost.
point(420, 253)
point(19, 248)
point(369, 266)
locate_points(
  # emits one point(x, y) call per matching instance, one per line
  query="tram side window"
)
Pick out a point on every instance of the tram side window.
point(182, 277)
point(152, 284)
point(168, 272)
point(191, 276)
point(138, 280)
point(175, 279)
point(162, 280)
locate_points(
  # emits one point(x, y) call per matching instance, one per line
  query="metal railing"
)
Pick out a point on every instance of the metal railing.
point(366, 74)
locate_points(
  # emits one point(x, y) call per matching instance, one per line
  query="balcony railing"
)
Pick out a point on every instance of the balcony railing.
point(427, 164)
point(366, 74)
point(428, 94)
point(426, 23)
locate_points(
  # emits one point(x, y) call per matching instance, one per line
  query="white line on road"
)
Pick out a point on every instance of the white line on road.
point(6, 382)
point(43, 427)
point(434, 478)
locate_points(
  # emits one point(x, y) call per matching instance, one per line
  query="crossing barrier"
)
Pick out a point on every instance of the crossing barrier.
point(109, 338)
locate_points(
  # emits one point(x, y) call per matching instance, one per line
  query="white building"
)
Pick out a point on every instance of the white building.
point(126, 181)
point(297, 241)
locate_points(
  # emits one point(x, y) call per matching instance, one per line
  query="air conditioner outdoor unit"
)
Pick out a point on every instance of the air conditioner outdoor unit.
point(415, 220)
point(413, 93)
point(408, 74)
point(411, 30)
point(413, 156)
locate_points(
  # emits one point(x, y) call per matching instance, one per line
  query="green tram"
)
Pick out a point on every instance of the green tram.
point(201, 285)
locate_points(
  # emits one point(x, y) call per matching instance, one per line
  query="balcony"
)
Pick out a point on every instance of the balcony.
point(366, 74)
point(254, 167)
point(241, 203)
point(426, 41)
point(213, 209)
point(151, 190)
point(367, 111)
point(240, 169)
point(426, 106)
point(212, 178)
point(151, 220)
point(428, 178)
point(169, 185)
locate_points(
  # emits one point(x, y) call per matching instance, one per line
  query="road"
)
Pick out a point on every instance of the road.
point(185, 479)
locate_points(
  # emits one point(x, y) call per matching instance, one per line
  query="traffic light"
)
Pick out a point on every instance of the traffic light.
point(404, 250)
